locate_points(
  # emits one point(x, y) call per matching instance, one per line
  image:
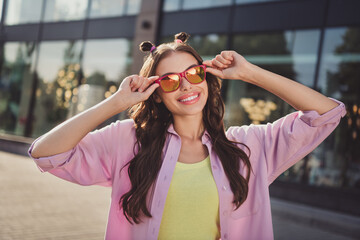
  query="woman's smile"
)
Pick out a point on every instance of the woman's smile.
point(189, 98)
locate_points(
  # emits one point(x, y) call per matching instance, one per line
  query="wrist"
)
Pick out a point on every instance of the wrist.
point(248, 72)
point(114, 104)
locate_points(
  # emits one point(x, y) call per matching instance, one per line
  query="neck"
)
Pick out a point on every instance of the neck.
point(190, 127)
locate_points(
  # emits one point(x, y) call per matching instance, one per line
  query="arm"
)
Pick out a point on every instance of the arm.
point(231, 65)
point(68, 134)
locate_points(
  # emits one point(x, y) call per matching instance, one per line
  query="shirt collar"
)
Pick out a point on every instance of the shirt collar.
point(205, 137)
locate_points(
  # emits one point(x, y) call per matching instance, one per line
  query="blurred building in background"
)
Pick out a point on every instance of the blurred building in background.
point(60, 57)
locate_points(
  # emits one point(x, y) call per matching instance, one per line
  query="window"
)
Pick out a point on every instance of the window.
point(59, 75)
point(255, 1)
point(107, 8)
point(16, 75)
point(133, 7)
point(18, 11)
point(176, 5)
point(292, 54)
point(65, 10)
point(106, 63)
point(336, 162)
point(190, 4)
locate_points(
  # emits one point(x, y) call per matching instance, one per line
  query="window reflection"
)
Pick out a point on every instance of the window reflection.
point(255, 1)
point(18, 11)
point(64, 10)
point(191, 4)
point(133, 7)
point(338, 163)
point(16, 75)
point(59, 75)
point(1, 6)
point(107, 8)
point(106, 63)
point(174, 5)
point(291, 54)
point(208, 46)
point(171, 5)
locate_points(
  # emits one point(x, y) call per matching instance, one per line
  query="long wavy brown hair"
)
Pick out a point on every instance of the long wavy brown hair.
point(152, 120)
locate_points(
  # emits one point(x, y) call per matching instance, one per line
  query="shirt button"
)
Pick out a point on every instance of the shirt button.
point(224, 188)
point(225, 213)
point(165, 178)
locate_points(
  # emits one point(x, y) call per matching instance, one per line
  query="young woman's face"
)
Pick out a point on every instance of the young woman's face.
point(188, 99)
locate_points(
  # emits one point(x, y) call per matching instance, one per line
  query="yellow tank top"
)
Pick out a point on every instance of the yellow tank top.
point(192, 204)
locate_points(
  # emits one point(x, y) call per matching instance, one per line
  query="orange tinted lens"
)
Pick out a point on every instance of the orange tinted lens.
point(170, 82)
point(195, 74)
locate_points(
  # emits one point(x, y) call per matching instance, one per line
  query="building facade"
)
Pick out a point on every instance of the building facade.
point(60, 57)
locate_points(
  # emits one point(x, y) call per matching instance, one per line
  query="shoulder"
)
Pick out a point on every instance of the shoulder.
point(119, 130)
point(243, 134)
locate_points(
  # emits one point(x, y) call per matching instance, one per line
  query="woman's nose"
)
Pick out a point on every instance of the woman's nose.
point(185, 85)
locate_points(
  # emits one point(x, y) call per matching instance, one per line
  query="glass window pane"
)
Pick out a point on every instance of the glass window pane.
point(292, 54)
point(59, 74)
point(18, 11)
point(64, 10)
point(171, 5)
point(106, 63)
point(255, 1)
point(133, 7)
point(208, 46)
point(338, 163)
point(1, 6)
point(191, 4)
point(107, 8)
point(15, 86)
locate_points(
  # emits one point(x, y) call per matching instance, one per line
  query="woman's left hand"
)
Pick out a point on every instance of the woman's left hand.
point(229, 65)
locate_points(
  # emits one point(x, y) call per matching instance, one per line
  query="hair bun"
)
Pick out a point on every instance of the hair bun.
point(146, 46)
point(183, 36)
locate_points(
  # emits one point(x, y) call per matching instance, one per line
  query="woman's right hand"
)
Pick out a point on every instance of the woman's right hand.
point(135, 89)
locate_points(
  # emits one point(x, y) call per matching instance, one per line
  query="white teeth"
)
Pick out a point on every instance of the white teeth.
point(189, 98)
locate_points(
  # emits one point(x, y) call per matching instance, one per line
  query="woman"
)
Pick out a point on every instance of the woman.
point(174, 172)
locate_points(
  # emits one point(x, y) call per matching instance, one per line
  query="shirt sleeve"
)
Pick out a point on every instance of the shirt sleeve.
point(290, 138)
point(90, 161)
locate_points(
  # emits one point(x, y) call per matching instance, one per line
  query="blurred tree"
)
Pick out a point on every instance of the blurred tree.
point(345, 82)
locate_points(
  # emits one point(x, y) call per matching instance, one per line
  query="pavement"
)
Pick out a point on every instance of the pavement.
point(39, 206)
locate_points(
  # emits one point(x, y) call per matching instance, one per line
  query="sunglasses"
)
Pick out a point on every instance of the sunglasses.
point(171, 82)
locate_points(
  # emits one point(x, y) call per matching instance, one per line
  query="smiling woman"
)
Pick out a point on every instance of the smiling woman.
point(174, 171)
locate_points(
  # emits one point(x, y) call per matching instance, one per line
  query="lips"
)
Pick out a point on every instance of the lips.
point(188, 97)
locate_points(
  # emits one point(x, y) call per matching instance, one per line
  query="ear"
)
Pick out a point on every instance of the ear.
point(157, 98)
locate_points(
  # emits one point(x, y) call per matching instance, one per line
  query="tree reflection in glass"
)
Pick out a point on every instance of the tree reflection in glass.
point(58, 81)
point(339, 78)
point(16, 75)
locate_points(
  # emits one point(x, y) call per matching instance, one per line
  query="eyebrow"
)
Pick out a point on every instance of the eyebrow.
point(183, 71)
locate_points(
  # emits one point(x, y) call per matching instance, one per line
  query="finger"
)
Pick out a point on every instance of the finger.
point(228, 55)
point(150, 90)
point(147, 82)
point(215, 72)
point(136, 83)
point(139, 82)
point(217, 64)
point(223, 60)
point(208, 63)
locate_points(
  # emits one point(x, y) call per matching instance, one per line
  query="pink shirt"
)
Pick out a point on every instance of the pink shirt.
point(275, 147)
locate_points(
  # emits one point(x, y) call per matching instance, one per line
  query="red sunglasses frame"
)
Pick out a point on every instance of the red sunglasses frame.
point(181, 75)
